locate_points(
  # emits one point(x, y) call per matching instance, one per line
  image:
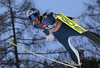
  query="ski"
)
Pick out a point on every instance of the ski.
point(78, 28)
point(66, 64)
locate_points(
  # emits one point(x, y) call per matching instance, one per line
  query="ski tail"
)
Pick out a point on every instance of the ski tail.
point(92, 36)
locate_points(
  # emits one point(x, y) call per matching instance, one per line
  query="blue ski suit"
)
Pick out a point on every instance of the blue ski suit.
point(62, 32)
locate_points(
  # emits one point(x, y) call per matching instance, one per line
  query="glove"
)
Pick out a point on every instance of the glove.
point(76, 20)
point(49, 37)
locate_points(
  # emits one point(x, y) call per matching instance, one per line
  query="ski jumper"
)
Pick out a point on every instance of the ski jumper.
point(61, 32)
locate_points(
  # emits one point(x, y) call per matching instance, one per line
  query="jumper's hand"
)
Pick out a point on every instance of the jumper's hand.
point(49, 37)
point(76, 20)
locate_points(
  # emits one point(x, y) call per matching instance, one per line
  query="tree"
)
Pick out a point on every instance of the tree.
point(8, 30)
point(90, 21)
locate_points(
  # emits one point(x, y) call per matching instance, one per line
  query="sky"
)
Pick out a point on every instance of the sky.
point(72, 8)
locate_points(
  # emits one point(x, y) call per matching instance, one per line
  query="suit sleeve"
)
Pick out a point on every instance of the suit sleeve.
point(70, 18)
point(55, 16)
point(46, 31)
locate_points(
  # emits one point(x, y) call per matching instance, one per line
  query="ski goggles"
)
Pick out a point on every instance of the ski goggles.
point(33, 16)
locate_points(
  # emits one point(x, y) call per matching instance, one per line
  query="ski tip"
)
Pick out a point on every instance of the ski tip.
point(9, 41)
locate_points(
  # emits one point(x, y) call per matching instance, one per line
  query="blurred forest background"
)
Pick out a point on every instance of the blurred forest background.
point(15, 26)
